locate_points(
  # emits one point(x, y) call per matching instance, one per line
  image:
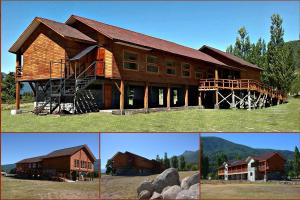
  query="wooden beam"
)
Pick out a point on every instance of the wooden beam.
point(32, 88)
point(18, 88)
point(200, 99)
point(233, 99)
point(186, 96)
point(169, 98)
point(146, 94)
point(217, 90)
point(122, 96)
point(117, 86)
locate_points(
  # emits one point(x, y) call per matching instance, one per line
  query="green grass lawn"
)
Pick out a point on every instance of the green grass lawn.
point(282, 118)
point(12, 188)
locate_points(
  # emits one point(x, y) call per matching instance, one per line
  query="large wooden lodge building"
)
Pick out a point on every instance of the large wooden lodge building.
point(128, 163)
point(71, 163)
point(269, 166)
point(84, 65)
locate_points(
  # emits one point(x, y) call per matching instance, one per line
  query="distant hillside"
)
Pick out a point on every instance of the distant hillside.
point(8, 167)
point(214, 145)
point(295, 46)
point(191, 156)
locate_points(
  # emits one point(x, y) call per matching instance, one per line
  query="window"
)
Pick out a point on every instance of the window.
point(198, 73)
point(33, 165)
point(29, 165)
point(76, 163)
point(170, 67)
point(185, 69)
point(152, 64)
point(130, 60)
point(89, 165)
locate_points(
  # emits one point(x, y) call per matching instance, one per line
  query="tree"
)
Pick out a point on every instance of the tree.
point(174, 162)
point(205, 167)
point(296, 162)
point(280, 69)
point(242, 44)
point(109, 166)
point(8, 93)
point(166, 161)
point(157, 158)
point(221, 158)
point(182, 163)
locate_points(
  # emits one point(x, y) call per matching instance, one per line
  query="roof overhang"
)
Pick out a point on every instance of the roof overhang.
point(132, 45)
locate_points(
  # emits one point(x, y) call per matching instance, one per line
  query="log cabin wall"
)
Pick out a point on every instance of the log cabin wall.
point(275, 163)
point(57, 163)
point(157, 77)
point(43, 46)
point(81, 156)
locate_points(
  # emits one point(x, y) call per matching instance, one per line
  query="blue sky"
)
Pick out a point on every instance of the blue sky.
point(17, 146)
point(278, 141)
point(147, 145)
point(189, 23)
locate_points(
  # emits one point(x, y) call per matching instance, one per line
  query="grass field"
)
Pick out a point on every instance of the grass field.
point(250, 191)
point(124, 187)
point(35, 189)
point(282, 118)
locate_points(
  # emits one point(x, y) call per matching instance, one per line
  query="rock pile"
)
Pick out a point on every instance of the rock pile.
point(168, 186)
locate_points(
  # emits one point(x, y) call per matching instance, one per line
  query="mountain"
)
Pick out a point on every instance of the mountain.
point(191, 156)
point(211, 146)
point(8, 167)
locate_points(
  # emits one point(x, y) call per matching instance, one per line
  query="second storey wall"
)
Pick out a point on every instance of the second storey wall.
point(81, 156)
point(57, 163)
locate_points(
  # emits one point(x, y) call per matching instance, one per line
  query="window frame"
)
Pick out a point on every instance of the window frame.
point(199, 72)
point(152, 64)
point(128, 61)
point(182, 70)
point(173, 67)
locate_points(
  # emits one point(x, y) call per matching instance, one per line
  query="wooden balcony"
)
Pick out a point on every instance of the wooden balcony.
point(239, 84)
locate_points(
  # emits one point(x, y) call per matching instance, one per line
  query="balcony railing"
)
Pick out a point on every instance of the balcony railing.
point(238, 84)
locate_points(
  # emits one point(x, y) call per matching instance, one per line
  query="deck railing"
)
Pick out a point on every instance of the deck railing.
point(238, 84)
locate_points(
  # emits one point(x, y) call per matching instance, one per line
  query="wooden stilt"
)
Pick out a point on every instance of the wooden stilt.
point(200, 99)
point(217, 90)
point(146, 103)
point(233, 99)
point(249, 100)
point(169, 98)
point(18, 88)
point(186, 96)
point(122, 97)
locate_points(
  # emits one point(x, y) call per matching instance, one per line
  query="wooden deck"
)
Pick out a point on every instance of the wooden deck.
point(241, 93)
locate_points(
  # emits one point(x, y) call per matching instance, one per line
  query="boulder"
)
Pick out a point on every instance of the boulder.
point(172, 192)
point(145, 194)
point(166, 188)
point(156, 196)
point(169, 177)
point(188, 181)
point(191, 193)
point(145, 185)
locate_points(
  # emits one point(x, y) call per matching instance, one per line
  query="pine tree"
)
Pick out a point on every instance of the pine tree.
point(242, 44)
point(166, 161)
point(157, 158)
point(174, 162)
point(182, 163)
point(296, 162)
point(280, 70)
point(108, 166)
point(205, 167)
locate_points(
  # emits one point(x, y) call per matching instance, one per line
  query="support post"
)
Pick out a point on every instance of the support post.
point(186, 96)
point(146, 94)
point(18, 85)
point(232, 99)
point(217, 89)
point(18, 88)
point(168, 98)
point(249, 100)
point(122, 97)
point(200, 100)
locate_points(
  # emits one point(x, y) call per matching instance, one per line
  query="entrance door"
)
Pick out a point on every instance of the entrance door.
point(107, 96)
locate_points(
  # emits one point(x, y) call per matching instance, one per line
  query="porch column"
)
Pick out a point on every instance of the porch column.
point(168, 98)
point(216, 87)
point(186, 96)
point(200, 99)
point(249, 100)
point(122, 97)
point(146, 94)
point(18, 84)
point(232, 99)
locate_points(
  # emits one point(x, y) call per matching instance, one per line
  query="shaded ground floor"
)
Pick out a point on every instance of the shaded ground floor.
point(210, 190)
point(254, 176)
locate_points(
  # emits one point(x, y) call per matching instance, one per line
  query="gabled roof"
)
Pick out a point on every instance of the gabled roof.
point(60, 28)
point(58, 153)
point(229, 56)
point(131, 37)
point(32, 160)
point(266, 156)
point(134, 155)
